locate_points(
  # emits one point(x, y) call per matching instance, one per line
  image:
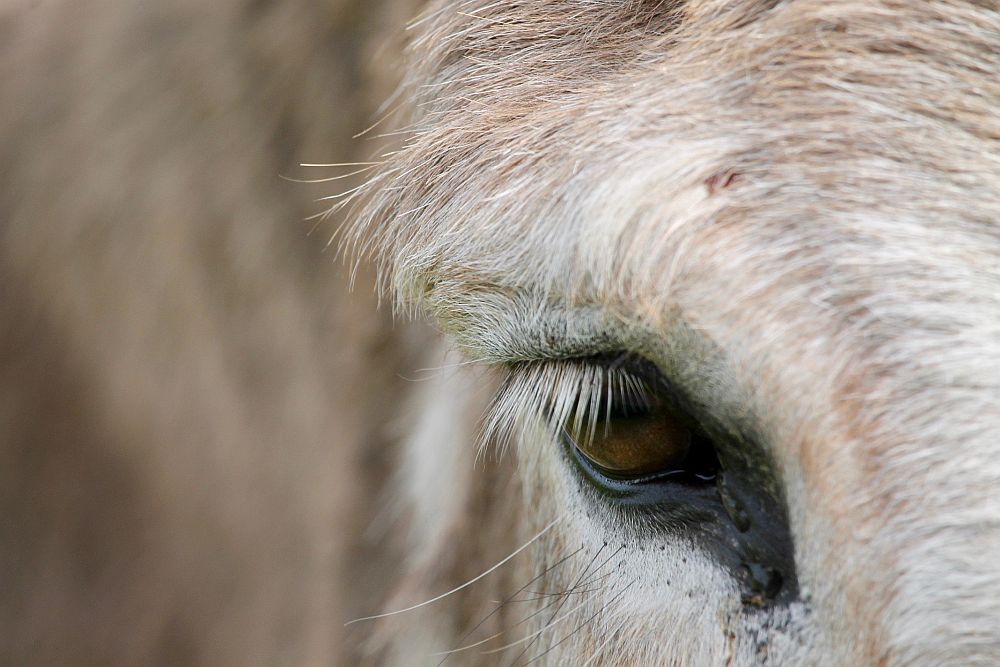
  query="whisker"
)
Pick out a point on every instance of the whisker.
point(446, 654)
point(562, 600)
point(458, 588)
point(533, 636)
point(541, 595)
point(582, 625)
point(538, 611)
point(328, 179)
point(385, 116)
point(604, 644)
point(343, 194)
point(560, 597)
point(606, 560)
point(501, 605)
point(545, 596)
point(600, 578)
point(338, 164)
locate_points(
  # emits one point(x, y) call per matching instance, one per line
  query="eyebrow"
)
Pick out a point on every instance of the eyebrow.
point(518, 326)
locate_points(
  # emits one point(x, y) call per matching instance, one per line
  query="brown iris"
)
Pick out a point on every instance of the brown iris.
point(631, 443)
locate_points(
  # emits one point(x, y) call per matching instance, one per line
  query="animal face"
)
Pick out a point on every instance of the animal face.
point(738, 265)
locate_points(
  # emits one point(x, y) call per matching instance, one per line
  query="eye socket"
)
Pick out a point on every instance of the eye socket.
point(639, 446)
point(639, 440)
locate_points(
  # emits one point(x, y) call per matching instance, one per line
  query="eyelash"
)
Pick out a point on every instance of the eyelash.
point(553, 392)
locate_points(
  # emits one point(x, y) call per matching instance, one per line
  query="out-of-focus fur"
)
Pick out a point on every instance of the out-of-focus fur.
point(192, 404)
point(810, 188)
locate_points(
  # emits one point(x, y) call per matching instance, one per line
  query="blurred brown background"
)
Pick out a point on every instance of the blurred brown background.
point(193, 406)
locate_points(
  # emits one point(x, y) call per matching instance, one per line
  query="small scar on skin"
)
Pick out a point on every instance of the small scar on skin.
point(720, 181)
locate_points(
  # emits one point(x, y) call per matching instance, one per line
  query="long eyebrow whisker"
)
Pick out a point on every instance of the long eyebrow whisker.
point(447, 654)
point(328, 179)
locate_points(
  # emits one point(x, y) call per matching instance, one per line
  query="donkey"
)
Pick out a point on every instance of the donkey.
point(734, 268)
point(721, 275)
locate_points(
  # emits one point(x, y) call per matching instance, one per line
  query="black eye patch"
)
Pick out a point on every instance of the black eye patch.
point(653, 460)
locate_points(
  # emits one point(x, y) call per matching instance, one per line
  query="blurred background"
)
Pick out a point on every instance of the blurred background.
point(194, 407)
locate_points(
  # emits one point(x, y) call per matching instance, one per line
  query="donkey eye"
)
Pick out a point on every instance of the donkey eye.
point(631, 445)
point(649, 455)
point(645, 440)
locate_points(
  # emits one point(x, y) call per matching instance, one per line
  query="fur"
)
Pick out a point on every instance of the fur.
point(791, 206)
point(192, 404)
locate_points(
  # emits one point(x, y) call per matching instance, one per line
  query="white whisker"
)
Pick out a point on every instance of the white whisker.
point(310, 181)
point(467, 646)
point(338, 164)
point(458, 588)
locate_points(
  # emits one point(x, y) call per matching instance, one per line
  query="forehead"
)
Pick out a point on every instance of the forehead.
point(611, 151)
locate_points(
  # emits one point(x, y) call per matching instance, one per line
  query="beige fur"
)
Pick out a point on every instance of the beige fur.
point(193, 407)
point(790, 207)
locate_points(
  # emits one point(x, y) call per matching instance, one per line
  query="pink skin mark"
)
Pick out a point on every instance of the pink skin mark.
point(720, 181)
